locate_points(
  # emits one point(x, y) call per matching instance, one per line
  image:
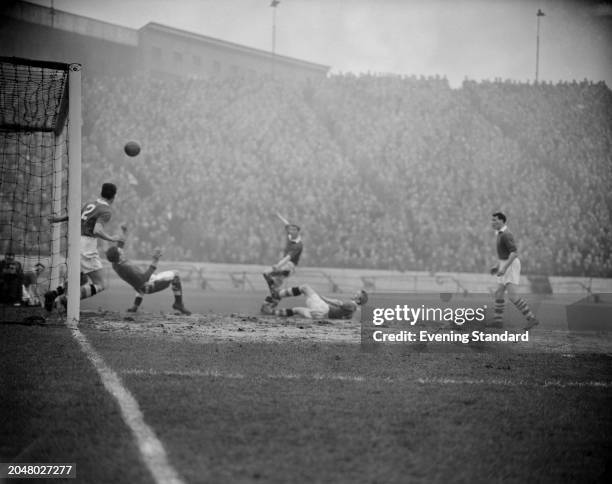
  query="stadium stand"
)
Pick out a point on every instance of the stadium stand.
point(382, 172)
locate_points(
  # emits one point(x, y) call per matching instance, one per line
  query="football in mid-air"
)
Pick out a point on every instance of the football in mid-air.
point(131, 148)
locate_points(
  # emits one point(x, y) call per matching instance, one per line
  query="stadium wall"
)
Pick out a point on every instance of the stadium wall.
point(247, 277)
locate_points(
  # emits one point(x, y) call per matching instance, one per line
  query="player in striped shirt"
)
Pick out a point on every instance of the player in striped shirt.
point(317, 307)
point(94, 217)
point(148, 281)
point(508, 273)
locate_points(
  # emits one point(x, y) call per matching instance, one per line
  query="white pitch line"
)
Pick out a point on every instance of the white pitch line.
point(241, 376)
point(354, 378)
point(151, 449)
point(514, 383)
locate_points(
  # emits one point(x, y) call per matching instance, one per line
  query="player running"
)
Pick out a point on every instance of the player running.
point(286, 266)
point(94, 217)
point(317, 307)
point(145, 282)
point(508, 272)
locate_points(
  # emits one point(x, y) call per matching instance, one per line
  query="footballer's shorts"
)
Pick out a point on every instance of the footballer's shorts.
point(90, 257)
point(159, 281)
point(317, 308)
point(287, 266)
point(512, 274)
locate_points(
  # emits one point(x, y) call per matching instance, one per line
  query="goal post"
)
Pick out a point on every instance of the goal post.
point(40, 177)
point(74, 194)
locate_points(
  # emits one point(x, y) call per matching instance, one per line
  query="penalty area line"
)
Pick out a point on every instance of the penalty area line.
point(355, 378)
point(151, 449)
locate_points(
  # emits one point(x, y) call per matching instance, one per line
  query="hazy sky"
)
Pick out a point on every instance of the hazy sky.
point(478, 39)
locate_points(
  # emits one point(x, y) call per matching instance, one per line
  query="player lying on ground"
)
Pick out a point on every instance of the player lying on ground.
point(286, 266)
point(317, 307)
point(145, 282)
point(508, 274)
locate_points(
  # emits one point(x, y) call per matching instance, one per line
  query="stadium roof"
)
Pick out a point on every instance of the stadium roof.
point(233, 46)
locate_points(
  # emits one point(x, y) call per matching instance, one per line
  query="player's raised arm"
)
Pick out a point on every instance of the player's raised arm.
point(124, 233)
point(282, 219)
point(157, 253)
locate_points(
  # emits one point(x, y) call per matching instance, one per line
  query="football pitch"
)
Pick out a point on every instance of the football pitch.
point(226, 396)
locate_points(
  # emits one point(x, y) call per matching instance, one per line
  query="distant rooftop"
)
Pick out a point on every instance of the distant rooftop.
point(231, 45)
point(58, 19)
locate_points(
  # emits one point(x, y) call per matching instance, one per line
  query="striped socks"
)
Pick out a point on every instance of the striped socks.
point(524, 309)
point(88, 290)
point(498, 311)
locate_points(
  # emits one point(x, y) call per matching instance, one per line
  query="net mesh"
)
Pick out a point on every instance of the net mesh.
point(33, 181)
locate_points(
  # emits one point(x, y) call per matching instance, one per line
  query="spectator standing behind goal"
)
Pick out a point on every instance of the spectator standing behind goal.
point(286, 266)
point(11, 274)
point(317, 307)
point(508, 273)
point(145, 282)
point(94, 216)
point(31, 292)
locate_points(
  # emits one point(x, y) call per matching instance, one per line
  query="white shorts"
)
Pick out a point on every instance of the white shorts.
point(287, 266)
point(90, 258)
point(317, 307)
point(158, 282)
point(165, 276)
point(512, 274)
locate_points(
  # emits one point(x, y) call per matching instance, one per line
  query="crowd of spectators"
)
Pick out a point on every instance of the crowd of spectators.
point(388, 172)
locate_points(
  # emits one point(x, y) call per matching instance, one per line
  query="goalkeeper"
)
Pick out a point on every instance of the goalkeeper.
point(145, 282)
point(317, 307)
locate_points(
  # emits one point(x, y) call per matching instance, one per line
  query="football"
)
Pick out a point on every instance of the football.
point(131, 148)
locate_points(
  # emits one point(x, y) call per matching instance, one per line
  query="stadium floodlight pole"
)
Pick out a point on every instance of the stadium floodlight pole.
point(274, 4)
point(74, 194)
point(537, 72)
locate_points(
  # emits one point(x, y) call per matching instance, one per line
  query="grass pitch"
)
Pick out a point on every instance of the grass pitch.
point(239, 398)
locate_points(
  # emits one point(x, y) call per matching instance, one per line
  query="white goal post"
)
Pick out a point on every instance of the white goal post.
point(40, 177)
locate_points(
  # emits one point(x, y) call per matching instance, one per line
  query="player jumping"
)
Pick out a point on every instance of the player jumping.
point(286, 266)
point(317, 307)
point(94, 217)
point(508, 272)
point(146, 282)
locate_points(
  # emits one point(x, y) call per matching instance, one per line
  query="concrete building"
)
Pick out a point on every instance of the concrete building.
point(36, 32)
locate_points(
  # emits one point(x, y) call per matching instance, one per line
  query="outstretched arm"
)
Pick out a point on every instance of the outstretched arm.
point(102, 234)
point(282, 219)
point(124, 231)
point(329, 300)
point(53, 219)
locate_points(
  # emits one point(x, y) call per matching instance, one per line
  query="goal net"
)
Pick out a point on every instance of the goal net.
point(39, 164)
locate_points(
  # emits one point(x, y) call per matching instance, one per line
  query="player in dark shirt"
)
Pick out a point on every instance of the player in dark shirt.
point(285, 267)
point(148, 281)
point(317, 307)
point(508, 273)
point(11, 280)
point(94, 216)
